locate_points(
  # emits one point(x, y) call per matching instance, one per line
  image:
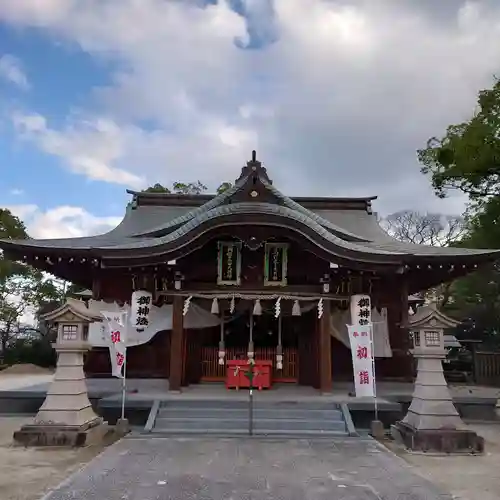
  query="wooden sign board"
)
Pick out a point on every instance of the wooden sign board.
point(275, 264)
point(229, 263)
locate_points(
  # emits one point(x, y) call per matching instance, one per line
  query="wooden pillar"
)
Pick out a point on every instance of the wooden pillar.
point(177, 345)
point(96, 288)
point(401, 363)
point(185, 359)
point(325, 349)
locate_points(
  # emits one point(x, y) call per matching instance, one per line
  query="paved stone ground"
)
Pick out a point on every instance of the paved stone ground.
point(229, 469)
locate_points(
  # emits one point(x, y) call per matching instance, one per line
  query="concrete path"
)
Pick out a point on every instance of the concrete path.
point(19, 382)
point(139, 468)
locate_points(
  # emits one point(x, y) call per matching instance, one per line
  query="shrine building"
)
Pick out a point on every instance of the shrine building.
point(249, 270)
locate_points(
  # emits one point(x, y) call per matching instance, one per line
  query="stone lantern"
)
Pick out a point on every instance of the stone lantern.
point(432, 422)
point(66, 417)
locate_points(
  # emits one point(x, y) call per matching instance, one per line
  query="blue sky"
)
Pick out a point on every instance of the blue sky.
point(61, 78)
point(100, 96)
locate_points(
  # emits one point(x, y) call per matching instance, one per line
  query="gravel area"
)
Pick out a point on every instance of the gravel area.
point(27, 474)
point(466, 477)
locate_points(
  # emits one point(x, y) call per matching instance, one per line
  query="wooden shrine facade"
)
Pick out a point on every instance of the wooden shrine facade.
point(250, 244)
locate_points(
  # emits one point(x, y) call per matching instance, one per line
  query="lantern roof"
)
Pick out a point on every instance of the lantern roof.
point(429, 316)
point(72, 310)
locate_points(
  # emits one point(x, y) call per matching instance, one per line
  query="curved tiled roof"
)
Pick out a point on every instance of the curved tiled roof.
point(249, 208)
point(226, 195)
point(156, 225)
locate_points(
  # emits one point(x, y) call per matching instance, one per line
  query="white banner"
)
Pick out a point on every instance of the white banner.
point(160, 318)
point(117, 348)
point(360, 337)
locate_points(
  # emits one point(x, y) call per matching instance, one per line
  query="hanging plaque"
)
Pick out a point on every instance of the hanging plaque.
point(275, 264)
point(229, 263)
point(141, 303)
point(361, 310)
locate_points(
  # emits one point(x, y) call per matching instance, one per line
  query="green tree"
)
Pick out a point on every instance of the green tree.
point(189, 188)
point(224, 187)
point(185, 188)
point(157, 188)
point(23, 290)
point(467, 158)
point(11, 228)
point(21, 296)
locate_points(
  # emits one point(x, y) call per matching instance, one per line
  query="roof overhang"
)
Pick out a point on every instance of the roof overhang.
point(190, 238)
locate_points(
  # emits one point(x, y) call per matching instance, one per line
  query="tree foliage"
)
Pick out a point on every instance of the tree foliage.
point(21, 296)
point(23, 290)
point(224, 187)
point(185, 188)
point(468, 156)
point(11, 228)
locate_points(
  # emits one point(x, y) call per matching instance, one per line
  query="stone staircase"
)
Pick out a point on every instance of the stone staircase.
point(225, 418)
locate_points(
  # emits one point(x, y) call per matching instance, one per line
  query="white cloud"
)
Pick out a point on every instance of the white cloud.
point(62, 221)
point(16, 192)
point(337, 106)
point(90, 149)
point(11, 70)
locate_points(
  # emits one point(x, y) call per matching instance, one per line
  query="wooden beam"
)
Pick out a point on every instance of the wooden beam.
point(176, 345)
point(325, 350)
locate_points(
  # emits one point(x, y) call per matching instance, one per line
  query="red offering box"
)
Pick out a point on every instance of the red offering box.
point(236, 378)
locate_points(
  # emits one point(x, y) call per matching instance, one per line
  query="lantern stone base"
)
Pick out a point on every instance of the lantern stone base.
point(447, 441)
point(92, 432)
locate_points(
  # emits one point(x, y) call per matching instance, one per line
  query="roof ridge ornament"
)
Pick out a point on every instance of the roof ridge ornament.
point(255, 169)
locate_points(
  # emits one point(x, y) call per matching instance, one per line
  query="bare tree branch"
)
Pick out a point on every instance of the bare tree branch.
point(426, 229)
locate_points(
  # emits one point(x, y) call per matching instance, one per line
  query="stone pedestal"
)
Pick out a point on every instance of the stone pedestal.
point(62, 435)
point(377, 429)
point(66, 417)
point(432, 423)
point(122, 426)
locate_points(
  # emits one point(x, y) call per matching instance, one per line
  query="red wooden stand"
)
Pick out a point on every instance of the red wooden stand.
point(236, 378)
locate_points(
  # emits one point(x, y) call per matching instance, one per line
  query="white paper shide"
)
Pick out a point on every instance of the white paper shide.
point(141, 303)
point(360, 337)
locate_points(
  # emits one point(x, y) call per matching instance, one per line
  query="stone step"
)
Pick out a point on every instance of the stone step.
point(243, 403)
point(263, 433)
point(224, 417)
point(225, 424)
point(258, 412)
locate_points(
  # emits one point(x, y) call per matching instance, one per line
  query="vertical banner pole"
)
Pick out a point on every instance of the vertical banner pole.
point(372, 349)
point(124, 387)
point(250, 392)
point(124, 383)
